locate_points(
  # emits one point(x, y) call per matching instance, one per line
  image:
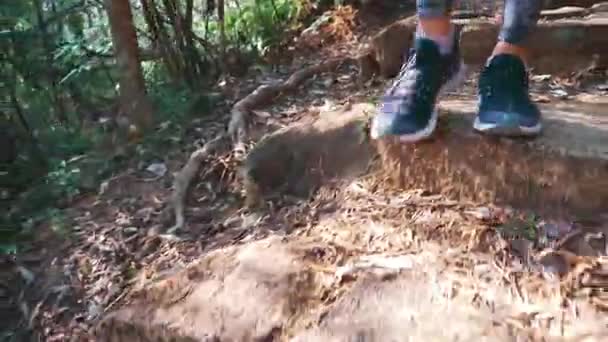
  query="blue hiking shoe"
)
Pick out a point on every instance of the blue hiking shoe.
point(505, 107)
point(407, 108)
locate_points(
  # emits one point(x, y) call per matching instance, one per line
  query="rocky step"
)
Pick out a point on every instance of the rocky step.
point(296, 160)
point(557, 46)
point(279, 289)
point(564, 12)
point(564, 171)
point(553, 4)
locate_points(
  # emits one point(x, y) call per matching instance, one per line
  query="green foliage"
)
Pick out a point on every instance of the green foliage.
point(260, 23)
point(55, 67)
point(64, 142)
point(523, 228)
point(64, 179)
point(59, 75)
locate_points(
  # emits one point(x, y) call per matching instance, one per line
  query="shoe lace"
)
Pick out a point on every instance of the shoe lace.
point(402, 75)
point(408, 76)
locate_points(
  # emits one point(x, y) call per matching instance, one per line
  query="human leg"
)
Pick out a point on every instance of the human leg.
point(505, 107)
point(408, 106)
point(434, 17)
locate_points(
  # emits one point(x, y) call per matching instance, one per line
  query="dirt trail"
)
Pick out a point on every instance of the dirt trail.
point(366, 271)
point(564, 171)
point(375, 262)
point(314, 237)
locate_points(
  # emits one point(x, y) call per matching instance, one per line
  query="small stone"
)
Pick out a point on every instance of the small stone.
point(541, 78)
point(158, 169)
point(559, 93)
point(130, 230)
point(481, 213)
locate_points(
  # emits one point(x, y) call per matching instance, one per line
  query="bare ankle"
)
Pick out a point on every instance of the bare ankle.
point(436, 26)
point(438, 29)
point(507, 48)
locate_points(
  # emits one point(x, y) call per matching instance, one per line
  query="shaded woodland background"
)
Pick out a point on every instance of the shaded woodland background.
point(102, 99)
point(81, 79)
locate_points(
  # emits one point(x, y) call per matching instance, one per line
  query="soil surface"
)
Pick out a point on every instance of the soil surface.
point(319, 234)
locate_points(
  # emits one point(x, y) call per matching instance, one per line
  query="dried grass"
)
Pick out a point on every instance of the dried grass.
point(450, 292)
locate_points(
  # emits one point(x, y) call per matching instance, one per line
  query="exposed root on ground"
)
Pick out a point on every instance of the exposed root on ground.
point(184, 178)
point(238, 130)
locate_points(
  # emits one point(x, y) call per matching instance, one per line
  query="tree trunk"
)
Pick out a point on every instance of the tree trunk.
point(220, 16)
point(194, 58)
point(51, 73)
point(134, 101)
point(175, 19)
point(160, 38)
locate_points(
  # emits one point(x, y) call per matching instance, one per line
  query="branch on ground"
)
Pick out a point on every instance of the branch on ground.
point(238, 128)
point(238, 131)
point(184, 178)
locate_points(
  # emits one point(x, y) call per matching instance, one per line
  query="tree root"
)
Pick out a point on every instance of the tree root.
point(238, 128)
point(184, 177)
point(238, 131)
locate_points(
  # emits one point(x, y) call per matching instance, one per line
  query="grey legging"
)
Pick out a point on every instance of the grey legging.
point(519, 17)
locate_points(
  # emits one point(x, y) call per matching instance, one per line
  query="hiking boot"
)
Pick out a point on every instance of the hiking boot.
point(407, 108)
point(505, 107)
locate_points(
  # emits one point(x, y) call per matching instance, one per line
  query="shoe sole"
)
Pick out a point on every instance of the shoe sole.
point(506, 131)
point(427, 131)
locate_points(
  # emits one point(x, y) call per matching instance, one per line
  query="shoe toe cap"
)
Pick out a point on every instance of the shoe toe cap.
point(509, 118)
point(390, 124)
